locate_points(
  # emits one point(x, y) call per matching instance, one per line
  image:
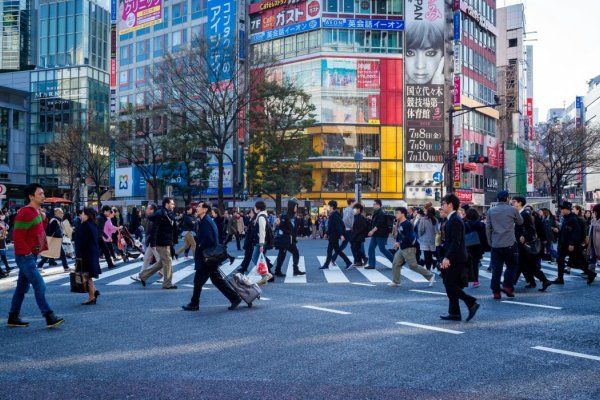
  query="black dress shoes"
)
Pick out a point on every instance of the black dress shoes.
point(280, 274)
point(472, 311)
point(451, 317)
point(298, 273)
point(545, 286)
point(234, 304)
point(190, 307)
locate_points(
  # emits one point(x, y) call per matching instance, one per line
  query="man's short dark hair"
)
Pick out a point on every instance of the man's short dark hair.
point(105, 209)
point(452, 199)
point(520, 199)
point(206, 206)
point(403, 210)
point(350, 201)
point(30, 190)
point(358, 206)
point(378, 202)
point(260, 205)
point(166, 201)
point(332, 204)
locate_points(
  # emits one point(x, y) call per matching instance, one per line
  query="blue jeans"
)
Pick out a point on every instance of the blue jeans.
point(501, 256)
point(29, 275)
point(343, 245)
point(378, 241)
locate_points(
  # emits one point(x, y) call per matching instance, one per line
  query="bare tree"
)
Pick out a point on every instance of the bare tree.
point(66, 151)
point(212, 91)
point(565, 152)
point(138, 138)
point(279, 146)
point(95, 157)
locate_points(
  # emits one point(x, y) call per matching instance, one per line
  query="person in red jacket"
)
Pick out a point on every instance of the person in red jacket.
point(29, 239)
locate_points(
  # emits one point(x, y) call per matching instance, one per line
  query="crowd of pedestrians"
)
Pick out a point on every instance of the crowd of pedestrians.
point(452, 240)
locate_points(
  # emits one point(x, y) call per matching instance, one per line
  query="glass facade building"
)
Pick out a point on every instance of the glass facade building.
point(348, 56)
point(15, 35)
point(71, 83)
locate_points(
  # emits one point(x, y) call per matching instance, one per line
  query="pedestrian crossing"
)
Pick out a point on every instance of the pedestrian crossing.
point(183, 273)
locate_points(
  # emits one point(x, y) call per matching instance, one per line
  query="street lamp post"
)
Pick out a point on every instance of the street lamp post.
point(358, 157)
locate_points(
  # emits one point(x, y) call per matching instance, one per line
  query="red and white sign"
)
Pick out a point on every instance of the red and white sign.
point(457, 173)
point(284, 15)
point(373, 108)
point(530, 185)
point(367, 74)
point(464, 195)
point(457, 90)
point(491, 145)
point(113, 72)
point(530, 117)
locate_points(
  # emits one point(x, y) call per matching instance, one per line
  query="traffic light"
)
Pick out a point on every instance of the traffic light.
point(437, 195)
point(478, 159)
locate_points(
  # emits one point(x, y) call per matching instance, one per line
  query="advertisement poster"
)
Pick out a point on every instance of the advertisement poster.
point(138, 14)
point(367, 74)
point(424, 85)
point(491, 145)
point(464, 195)
point(373, 109)
point(285, 15)
point(221, 34)
point(456, 173)
point(339, 73)
point(530, 172)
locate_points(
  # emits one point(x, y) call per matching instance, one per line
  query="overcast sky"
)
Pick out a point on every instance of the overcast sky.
point(567, 50)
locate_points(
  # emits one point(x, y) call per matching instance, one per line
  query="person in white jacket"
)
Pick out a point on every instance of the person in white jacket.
point(259, 233)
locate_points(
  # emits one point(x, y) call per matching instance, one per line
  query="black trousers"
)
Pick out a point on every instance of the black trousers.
point(248, 259)
point(237, 240)
point(576, 259)
point(429, 259)
point(63, 258)
point(453, 282)
point(333, 247)
point(201, 276)
point(357, 251)
point(293, 249)
point(530, 267)
point(104, 250)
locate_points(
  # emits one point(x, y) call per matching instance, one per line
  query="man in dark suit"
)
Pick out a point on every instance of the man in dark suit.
point(454, 264)
point(207, 236)
point(335, 232)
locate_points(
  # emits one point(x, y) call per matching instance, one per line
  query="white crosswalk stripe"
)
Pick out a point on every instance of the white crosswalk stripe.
point(333, 274)
point(289, 276)
point(404, 271)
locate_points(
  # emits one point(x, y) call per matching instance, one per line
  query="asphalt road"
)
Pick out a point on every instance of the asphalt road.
point(314, 340)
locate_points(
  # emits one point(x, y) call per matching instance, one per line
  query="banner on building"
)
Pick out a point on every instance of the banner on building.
point(138, 14)
point(367, 74)
point(282, 16)
point(424, 85)
point(456, 173)
point(530, 172)
point(221, 34)
point(530, 118)
point(374, 109)
point(464, 195)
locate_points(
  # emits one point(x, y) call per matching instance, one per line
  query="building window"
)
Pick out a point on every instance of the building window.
point(125, 54)
point(178, 39)
point(165, 20)
point(179, 13)
point(160, 45)
point(197, 9)
point(512, 42)
point(143, 50)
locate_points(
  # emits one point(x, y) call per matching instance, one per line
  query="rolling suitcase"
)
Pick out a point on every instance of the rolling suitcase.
point(248, 290)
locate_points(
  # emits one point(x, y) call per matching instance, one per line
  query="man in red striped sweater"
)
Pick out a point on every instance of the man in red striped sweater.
point(29, 238)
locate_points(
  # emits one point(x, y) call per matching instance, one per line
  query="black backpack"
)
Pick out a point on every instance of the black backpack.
point(389, 222)
point(268, 233)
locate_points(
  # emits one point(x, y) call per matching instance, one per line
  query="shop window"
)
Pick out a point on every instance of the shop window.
point(512, 42)
point(346, 144)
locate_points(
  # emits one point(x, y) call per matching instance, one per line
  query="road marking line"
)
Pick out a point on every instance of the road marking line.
point(266, 298)
point(426, 291)
point(373, 275)
point(567, 353)
point(431, 328)
point(531, 305)
point(327, 310)
point(332, 274)
point(362, 284)
point(289, 276)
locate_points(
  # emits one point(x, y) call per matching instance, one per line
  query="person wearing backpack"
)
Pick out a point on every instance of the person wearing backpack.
point(262, 238)
point(288, 226)
point(379, 235)
point(335, 232)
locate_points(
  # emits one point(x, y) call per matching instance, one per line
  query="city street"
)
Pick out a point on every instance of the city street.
point(336, 335)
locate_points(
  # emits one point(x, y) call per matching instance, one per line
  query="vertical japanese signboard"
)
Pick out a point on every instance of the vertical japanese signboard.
point(221, 34)
point(138, 14)
point(424, 85)
point(456, 173)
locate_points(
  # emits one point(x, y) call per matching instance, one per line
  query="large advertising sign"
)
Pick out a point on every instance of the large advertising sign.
point(282, 16)
point(285, 31)
point(361, 23)
point(530, 117)
point(424, 85)
point(367, 74)
point(491, 146)
point(129, 182)
point(530, 172)
point(137, 14)
point(221, 34)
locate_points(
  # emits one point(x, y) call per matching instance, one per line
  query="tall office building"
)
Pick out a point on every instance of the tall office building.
point(348, 56)
point(16, 35)
point(71, 82)
point(474, 79)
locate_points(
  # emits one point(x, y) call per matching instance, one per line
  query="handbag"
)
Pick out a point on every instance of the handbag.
point(261, 265)
point(472, 239)
point(533, 247)
point(215, 255)
point(77, 280)
point(54, 247)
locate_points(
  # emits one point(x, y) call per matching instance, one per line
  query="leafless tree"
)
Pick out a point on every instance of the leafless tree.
point(66, 152)
point(566, 152)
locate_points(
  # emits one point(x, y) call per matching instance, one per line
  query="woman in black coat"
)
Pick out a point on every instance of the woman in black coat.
point(87, 251)
point(474, 224)
point(288, 226)
point(220, 222)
